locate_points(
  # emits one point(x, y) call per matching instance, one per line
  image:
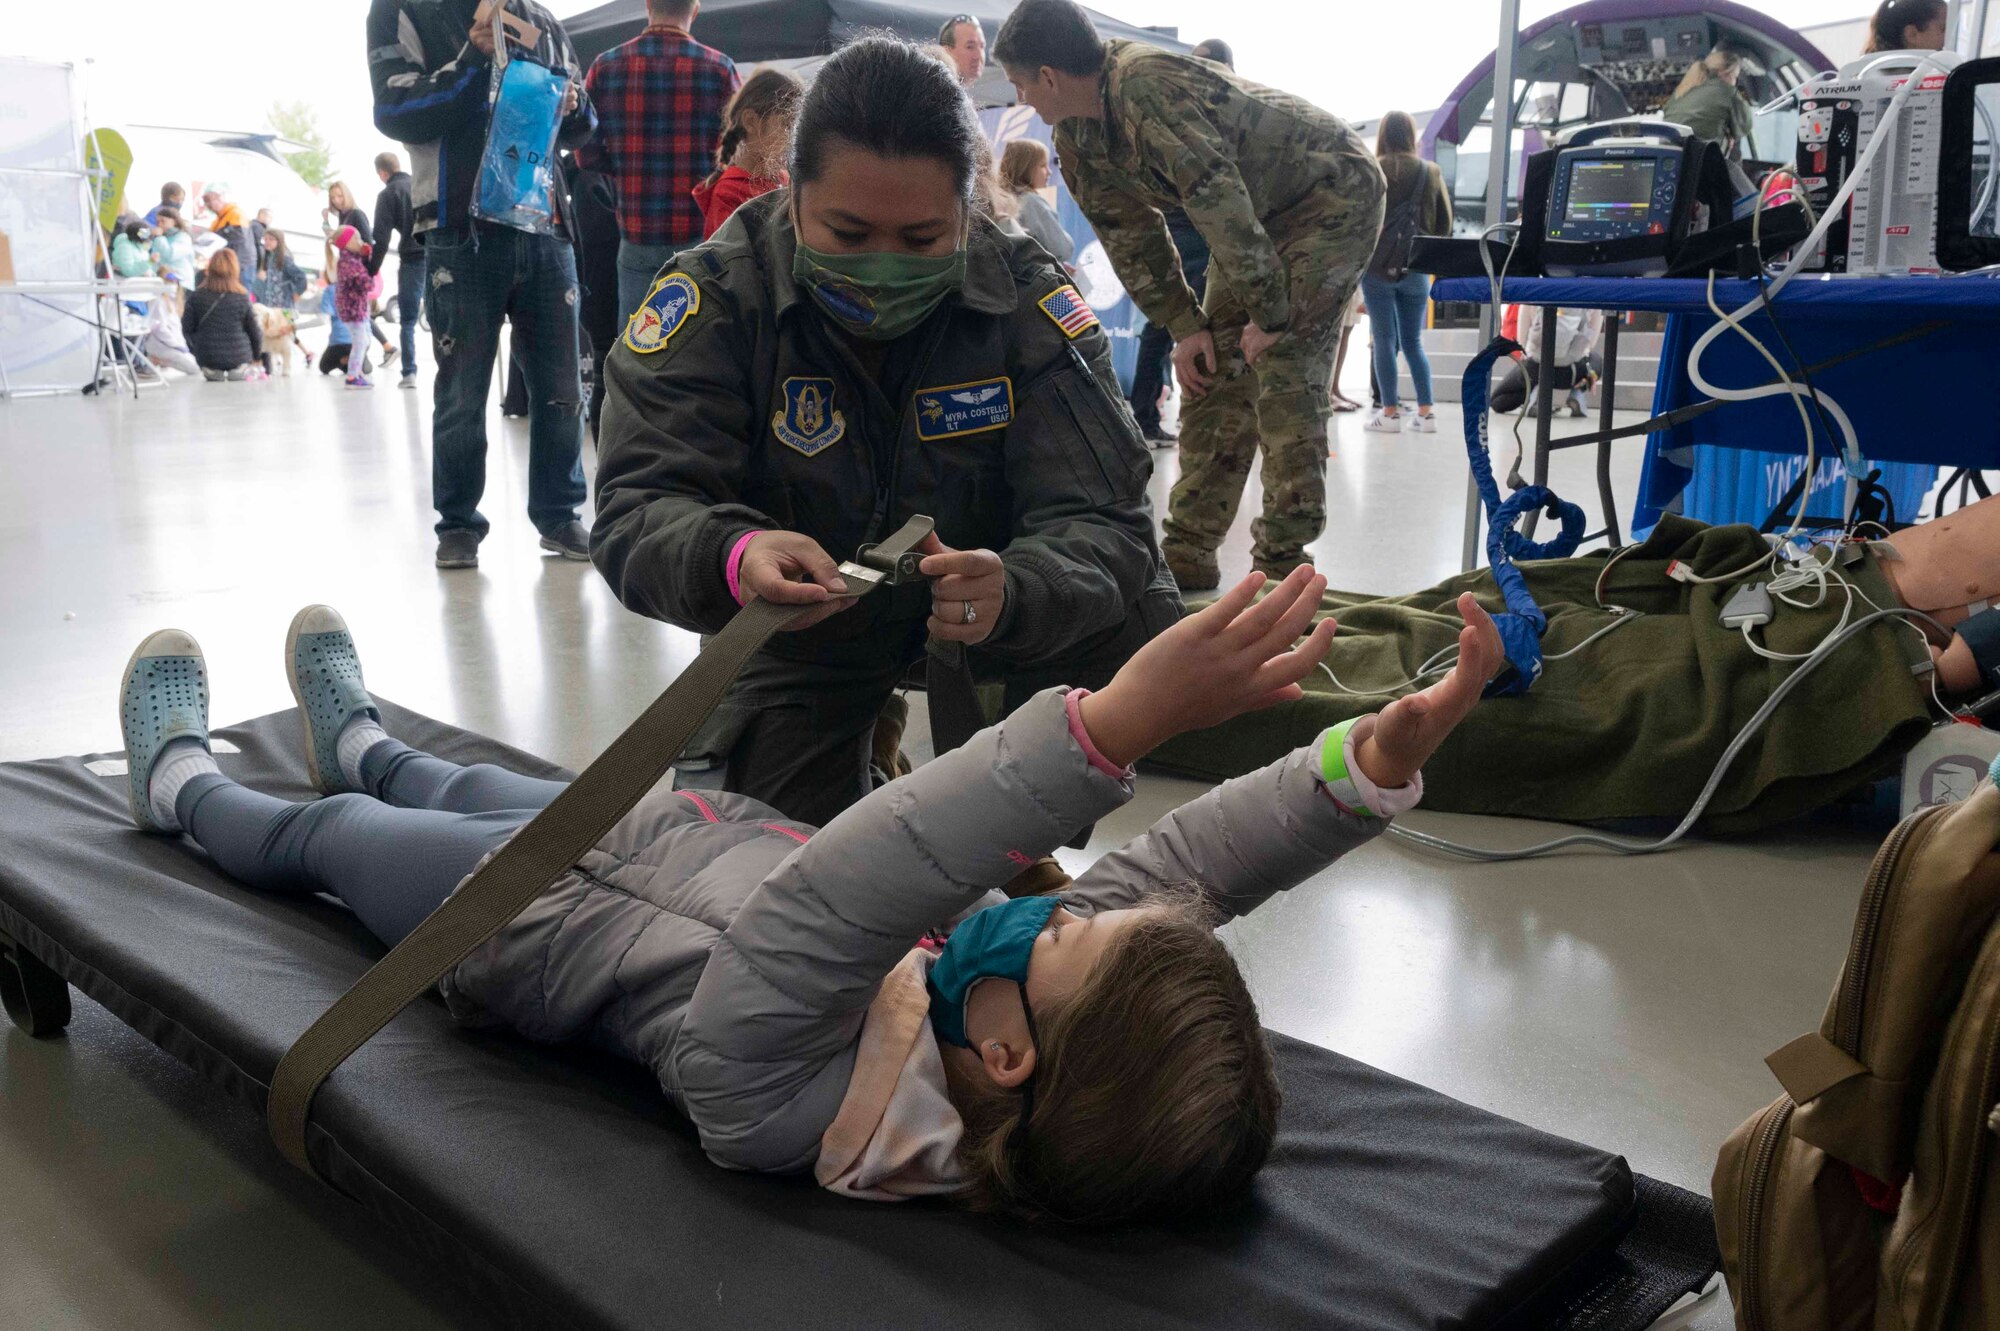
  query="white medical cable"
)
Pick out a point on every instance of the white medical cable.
point(1796, 392)
point(1442, 660)
point(1923, 640)
point(1496, 283)
point(1808, 571)
point(1834, 640)
point(1624, 847)
point(1784, 99)
point(1851, 450)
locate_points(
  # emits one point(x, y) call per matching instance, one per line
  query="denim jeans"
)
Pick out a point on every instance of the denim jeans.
point(409, 305)
point(637, 266)
point(1156, 344)
point(357, 336)
point(1396, 320)
point(480, 278)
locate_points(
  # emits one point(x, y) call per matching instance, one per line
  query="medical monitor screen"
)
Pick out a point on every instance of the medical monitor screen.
point(1610, 190)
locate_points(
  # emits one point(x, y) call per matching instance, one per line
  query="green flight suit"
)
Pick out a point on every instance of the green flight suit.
point(736, 405)
point(1714, 111)
point(1290, 202)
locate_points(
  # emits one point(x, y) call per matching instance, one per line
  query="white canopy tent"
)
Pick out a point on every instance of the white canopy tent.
point(48, 340)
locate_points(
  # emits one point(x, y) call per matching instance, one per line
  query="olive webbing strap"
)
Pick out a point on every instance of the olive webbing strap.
point(558, 836)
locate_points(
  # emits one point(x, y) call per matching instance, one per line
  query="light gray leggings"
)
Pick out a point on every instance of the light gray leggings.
point(393, 854)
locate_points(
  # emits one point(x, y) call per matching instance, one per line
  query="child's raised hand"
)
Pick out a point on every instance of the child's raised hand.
point(1409, 729)
point(1230, 658)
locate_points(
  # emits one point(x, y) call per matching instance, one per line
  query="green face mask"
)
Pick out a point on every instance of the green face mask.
point(878, 296)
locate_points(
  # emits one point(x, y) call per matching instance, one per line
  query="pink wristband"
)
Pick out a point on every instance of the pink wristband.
point(734, 563)
point(1073, 705)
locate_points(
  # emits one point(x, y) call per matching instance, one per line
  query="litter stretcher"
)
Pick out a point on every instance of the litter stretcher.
point(561, 1190)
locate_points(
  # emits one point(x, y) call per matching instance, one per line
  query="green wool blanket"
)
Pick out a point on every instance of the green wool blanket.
point(1632, 725)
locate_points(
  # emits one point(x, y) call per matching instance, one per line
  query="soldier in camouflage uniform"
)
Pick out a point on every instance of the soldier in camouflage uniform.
point(1290, 202)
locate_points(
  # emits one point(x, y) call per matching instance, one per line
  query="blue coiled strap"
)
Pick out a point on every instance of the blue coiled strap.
point(1523, 624)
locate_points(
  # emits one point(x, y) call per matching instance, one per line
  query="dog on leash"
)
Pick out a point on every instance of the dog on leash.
point(280, 335)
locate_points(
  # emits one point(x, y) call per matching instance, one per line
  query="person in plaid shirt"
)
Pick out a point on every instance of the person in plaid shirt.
point(659, 99)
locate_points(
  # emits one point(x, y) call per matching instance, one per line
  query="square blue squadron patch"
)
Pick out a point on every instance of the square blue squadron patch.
point(955, 409)
point(807, 422)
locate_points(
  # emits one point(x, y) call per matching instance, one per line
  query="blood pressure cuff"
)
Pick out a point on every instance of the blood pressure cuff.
point(1522, 624)
point(557, 1185)
point(1982, 634)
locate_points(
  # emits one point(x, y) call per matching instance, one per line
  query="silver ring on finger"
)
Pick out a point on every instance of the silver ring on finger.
point(970, 615)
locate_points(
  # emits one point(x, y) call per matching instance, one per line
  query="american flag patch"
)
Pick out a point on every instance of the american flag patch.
point(1069, 310)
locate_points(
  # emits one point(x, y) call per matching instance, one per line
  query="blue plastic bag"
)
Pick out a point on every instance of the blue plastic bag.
point(517, 170)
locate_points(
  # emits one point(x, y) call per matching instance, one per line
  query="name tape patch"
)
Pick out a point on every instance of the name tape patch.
point(807, 423)
point(673, 300)
point(955, 409)
point(1070, 311)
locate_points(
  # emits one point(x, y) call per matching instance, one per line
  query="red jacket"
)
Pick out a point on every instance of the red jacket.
point(724, 194)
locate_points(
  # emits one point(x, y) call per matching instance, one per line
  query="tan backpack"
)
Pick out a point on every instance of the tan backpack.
point(1868, 1195)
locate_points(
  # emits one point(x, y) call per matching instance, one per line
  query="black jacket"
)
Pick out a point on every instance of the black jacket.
point(752, 412)
point(395, 215)
point(221, 329)
point(357, 219)
point(430, 95)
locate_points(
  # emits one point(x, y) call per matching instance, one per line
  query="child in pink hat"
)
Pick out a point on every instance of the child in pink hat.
point(350, 298)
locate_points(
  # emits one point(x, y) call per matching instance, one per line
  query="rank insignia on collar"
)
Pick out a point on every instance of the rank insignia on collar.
point(673, 300)
point(955, 409)
point(807, 423)
point(1069, 310)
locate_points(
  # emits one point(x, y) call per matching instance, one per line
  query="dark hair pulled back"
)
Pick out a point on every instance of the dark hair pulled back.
point(1885, 28)
point(768, 92)
point(892, 98)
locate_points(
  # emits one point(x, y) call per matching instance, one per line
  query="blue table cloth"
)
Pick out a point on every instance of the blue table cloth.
point(1930, 400)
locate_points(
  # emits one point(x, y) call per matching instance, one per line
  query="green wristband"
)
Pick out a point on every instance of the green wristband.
point(1333, 769)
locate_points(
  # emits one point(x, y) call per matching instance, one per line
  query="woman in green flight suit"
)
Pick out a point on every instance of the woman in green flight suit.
point(841, 355)
point(1707, 102)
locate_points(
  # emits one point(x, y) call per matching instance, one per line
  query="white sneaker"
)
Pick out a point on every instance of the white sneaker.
point(1383, 423)
point(1421, 424)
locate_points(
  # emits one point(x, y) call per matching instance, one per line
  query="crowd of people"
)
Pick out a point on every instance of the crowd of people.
point(234, 290)
point(665, 140)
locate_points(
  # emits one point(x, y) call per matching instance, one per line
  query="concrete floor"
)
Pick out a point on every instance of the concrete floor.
point(1628, 1004)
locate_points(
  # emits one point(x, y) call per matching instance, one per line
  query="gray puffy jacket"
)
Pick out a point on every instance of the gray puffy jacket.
point(736, 953)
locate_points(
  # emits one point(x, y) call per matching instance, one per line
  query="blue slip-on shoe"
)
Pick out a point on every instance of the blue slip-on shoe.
point(164, 698)
point(325, 674)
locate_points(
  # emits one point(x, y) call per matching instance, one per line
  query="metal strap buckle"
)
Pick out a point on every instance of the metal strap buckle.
point(892, 562)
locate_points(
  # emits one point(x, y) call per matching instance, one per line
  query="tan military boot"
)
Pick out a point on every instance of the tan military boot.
point(1278, 568)
point(886, 751)
point(1194, 570)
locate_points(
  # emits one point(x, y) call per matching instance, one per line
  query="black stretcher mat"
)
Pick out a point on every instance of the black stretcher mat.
point(558, 1183)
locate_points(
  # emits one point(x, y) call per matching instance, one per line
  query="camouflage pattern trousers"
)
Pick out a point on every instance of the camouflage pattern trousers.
point(1281, 404)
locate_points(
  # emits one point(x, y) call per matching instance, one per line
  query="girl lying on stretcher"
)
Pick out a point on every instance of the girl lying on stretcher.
point(1088, 1057)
